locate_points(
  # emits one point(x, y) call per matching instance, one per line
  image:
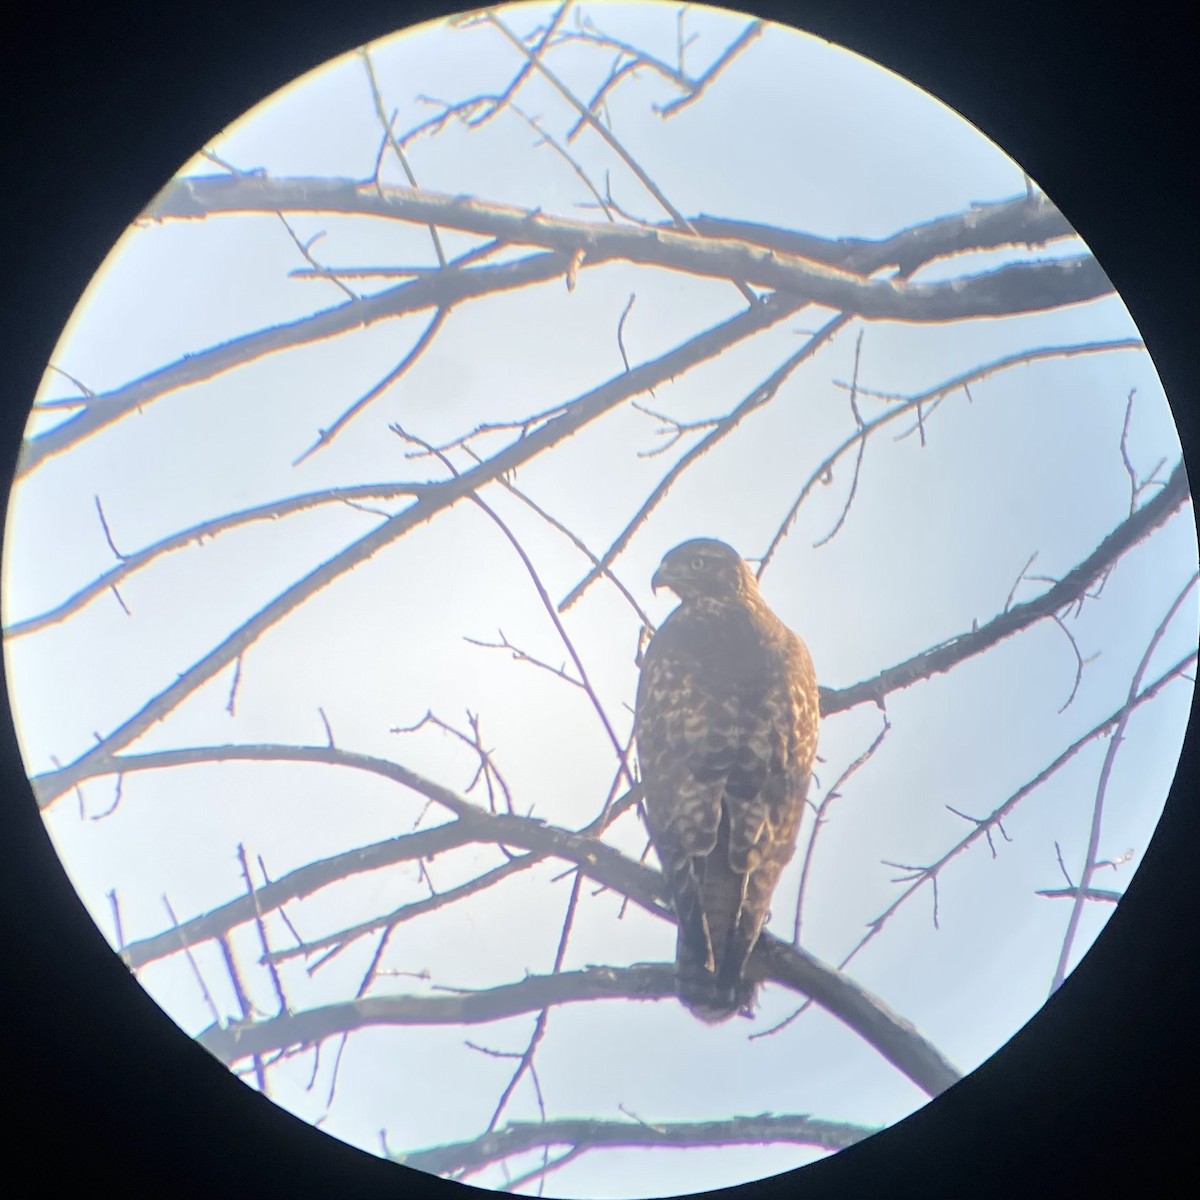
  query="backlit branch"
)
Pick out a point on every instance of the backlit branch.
point(196, 534)
point(981, 826)
point(436, 498)
point(1110, 754)
point(895, 1038)
point(1067, 591)
point(823, 472)
point(1019, 221)
point(773, 959)
point(1028, 287)
point(632, 59)
point(436, 288)
point(763, 394)
point(586, 1133)
point(1013, 288)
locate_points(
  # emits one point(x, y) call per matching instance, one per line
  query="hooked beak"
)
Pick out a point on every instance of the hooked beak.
point(661, 578)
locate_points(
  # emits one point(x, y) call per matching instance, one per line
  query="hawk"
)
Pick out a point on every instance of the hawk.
point(726, 724)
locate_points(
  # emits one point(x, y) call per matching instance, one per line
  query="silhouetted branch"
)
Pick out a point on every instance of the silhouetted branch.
point(196, 534)
point(763, 394)
point(823, 472)
point(325, 436)
point(587, 115)
point(1110, 755)
point(1090, 893)
point(398, 150)
point(1028, 286)
point(821, 815)
point(442, 288)
point(633, 58)
point(586, 1133)
point(1018, 221)
point(775, 960)
point(1074, 584)
point(897, 1040)
point(926, 874)
point(433, 499)
point(1006, 290)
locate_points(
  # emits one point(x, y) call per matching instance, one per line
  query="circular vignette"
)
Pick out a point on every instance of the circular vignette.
point(800, 592)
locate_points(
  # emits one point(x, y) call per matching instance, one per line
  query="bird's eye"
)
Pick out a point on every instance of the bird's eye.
point(697, 563)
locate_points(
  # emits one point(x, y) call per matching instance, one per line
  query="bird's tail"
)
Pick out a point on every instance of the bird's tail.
point(706, 993)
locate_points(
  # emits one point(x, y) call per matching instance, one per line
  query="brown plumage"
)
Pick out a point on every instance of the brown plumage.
point(726, 723)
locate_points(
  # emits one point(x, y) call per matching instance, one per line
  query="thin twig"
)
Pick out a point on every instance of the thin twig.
point(1110, 754)
point(761, 395)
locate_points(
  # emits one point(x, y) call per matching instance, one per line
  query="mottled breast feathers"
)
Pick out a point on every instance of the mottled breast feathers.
point(726, 724)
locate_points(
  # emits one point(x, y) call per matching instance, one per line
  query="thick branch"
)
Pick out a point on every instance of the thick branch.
point(1019, 221)
point(1046, 284)
point(1015, 288)
point(896, 1039)
point(586, 1132)
point(775, 960)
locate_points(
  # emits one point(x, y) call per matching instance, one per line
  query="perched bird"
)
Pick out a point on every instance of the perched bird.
point(726, 724)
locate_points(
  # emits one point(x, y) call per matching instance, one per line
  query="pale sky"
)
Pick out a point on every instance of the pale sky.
point(795, 133)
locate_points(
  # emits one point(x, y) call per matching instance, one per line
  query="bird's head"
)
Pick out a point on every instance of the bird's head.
point(704, 567)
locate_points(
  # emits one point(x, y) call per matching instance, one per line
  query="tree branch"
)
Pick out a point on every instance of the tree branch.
point(586, 1133)
point(1018, 221)
point(896, 1039)
point(1074, 584)
point(773, 959)
point(270, 511)
point(1003, 291)
point(437, 497)
point(437, 288)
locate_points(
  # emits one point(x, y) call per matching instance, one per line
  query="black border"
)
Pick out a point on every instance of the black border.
point(101, 104)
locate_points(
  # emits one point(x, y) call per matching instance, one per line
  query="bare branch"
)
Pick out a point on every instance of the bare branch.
point(778, 961)
point(1110, 755)
point(1006, 290)
point(1090, 893)
point(761, 395)
point(919, 876)
point(317, 270)
point(862, 446)
point(587, 1133)
point(1074, 584)
point(191, 960)
point(579, 545)
point(474, 824)
point(1017, 221)
point(823, 472)
point(271, 511)
point(893, 1037)
point(586, 114)
point(325, 436)
point(699, 86)
point(548, 140)
point(262, 931)
point(434, 499)
point(547, 604)
point(520, 655)
point(396, 148)
point(438, 288)
point(822, 815)
point(1080, 662)
point(1022, 287)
